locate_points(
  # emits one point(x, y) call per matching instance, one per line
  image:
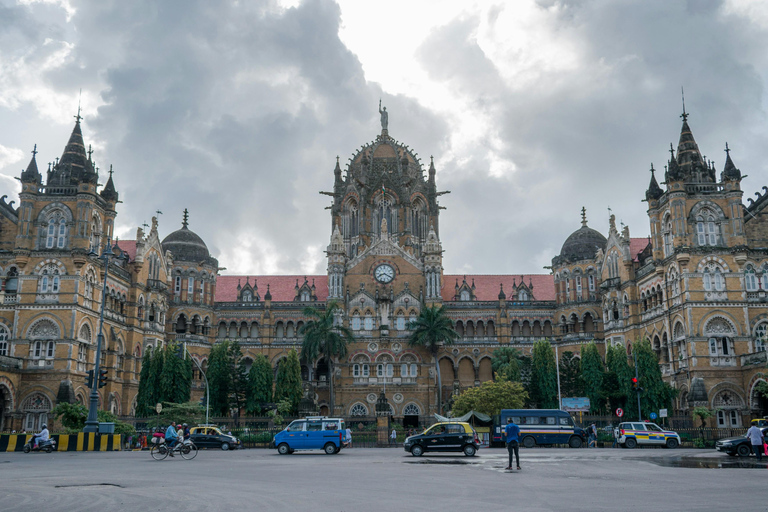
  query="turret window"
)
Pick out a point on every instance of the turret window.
point(177, 285)
point(356, 322)
point(578, 287)
point(190, 287)
point(750, 279)
point(56, 232)
point(369, 323)
point(464, 295)
point(591, 280)
point(760, 333)
point(706, 229)
point(49, 280)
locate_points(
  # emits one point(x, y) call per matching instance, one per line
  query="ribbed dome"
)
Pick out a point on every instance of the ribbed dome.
point(582, 244)
point(185, 245)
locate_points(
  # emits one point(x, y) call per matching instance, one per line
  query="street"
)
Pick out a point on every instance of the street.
point(379, 479)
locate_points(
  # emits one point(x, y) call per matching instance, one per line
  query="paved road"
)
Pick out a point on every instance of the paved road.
point(378, 479)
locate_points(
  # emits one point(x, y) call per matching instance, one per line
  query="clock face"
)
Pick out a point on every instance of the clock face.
point(384, 273)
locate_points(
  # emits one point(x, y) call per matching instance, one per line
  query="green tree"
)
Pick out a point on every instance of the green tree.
point(431, 330)
point(73, 416)
point(490, 398)
point(617, 386)
point(288, 381)
point(543, 387)
point(176, 375)
point(322, 337)
point(656, 394)
point(238, 376)
point(219, 379)
point(259, 385)
point(570, 369)
point(506, 363)
point(592, 370)
point(145, 400)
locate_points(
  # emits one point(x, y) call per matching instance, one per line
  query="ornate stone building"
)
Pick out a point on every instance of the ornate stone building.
point(696, 288)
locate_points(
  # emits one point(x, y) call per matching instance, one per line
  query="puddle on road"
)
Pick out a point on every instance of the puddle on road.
point(707, 463)
point(440, 461)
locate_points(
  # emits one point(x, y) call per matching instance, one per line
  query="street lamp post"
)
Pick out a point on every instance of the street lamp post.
point(92, 423)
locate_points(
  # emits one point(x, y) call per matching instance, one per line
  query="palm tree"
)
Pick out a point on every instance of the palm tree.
point(322, 337)
point(431, 330)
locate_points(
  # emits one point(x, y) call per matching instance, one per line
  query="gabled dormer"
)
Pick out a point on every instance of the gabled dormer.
point(464, 292)
point(305, 292)
point(248, 293)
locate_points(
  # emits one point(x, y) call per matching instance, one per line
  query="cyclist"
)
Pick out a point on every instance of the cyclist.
point(186, 432)
point(171, 437)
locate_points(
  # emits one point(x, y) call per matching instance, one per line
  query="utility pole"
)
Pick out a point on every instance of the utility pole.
point(638, 389)
point(557, 365)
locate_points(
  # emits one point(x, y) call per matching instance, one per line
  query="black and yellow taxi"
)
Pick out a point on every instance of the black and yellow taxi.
point(207, 436)
point(449, 436)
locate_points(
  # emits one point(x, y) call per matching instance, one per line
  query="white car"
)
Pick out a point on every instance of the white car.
point(640, 433)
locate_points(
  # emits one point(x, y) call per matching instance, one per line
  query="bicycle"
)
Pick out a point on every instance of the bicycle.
point(186, 449)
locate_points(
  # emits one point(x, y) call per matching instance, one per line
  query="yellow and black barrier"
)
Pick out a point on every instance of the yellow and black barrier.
point(81, 442)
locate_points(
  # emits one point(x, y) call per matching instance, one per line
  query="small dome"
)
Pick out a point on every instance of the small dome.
point(582, 244)
point(185, 245)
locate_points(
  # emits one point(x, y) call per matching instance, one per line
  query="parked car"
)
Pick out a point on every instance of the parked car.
point(212, 437)
point(639, 433)
point(451, 436)
point(738, 445)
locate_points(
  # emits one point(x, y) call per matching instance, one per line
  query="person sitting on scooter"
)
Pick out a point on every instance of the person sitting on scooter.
point(42, 436)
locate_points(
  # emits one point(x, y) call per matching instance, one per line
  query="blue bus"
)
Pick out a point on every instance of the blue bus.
point(541, 427)
point(312, 433)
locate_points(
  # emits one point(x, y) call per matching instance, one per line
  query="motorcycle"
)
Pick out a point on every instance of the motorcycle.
point(42, 446)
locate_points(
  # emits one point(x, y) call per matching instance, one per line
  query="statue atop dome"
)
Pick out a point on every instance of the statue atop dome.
point(384, 117)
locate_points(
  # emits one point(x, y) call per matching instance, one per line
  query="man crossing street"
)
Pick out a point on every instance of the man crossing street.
point(512, 434)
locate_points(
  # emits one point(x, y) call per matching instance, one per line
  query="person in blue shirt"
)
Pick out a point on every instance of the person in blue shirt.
point(171, 437)
point(512, 434)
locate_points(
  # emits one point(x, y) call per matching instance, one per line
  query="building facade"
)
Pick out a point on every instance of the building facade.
point(696, 288)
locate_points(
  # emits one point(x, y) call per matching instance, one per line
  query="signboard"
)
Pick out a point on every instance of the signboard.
point(654, 415)
point(619, 412)
point(662, 413)
point(580, 404)
point(159, 408)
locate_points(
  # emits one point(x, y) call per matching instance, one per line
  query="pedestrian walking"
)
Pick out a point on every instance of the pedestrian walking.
point(348, 437)
point(592, 430)
point(393, 437)
point(512, 434)
point(757, 439)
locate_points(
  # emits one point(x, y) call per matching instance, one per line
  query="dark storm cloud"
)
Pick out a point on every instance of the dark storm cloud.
point(236, 110)
point(577, 139)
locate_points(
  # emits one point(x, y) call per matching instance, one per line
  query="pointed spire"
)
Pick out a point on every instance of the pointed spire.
point(75, 165)
point(502, 295)
point(267, 296)
point(583, 217)
point(32, 175)
point(654, 190)
point(730, 172)
point(689, 157)
point(185, 219)
point(109, 193)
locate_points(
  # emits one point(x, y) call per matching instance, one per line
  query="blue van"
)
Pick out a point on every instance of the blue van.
point(312, 433)
point(541, 427)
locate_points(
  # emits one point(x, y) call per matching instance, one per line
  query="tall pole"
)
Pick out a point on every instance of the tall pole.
point(207, 395)
point(557, 365)
point(92, 423)
point(639, 413)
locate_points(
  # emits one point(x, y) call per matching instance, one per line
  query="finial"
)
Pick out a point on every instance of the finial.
point(145, 225)
point(90, 151)
point(671, 150)
point(185, 222)
point(34, 150)
point(583, 216)
point(158, 212)
point(337, 159)
point(78, 117)
point(727, 149)
point(652, 169)
point(684, 115)
point(110, 170)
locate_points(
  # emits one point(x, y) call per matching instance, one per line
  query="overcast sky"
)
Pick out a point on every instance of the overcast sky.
point(237, 110)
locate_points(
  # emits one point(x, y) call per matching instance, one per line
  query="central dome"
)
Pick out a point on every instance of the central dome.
point(185, 244)
point(582, 244)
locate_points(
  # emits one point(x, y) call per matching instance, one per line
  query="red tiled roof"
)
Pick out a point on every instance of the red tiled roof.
point(282, 288)
point(636, 246)
point(487, 286)
point(129, 247)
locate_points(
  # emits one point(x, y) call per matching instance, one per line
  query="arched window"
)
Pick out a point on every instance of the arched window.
point(247, 296)
point(720, 334)
point(368, 322)
point(707, 279)
point(719, 280)
point(305, 296)
point(361, 368)
point(48, 282)
point(667, 235)
point(464, 295)
point(3, 341)
point(750, 279)
point(523, 295)
point(760, 333)
point(356, 321)
point(36, 408)
point(85, 339)
point(411, 410)
point(400, 322)
point(706, 228)
point(56, 231)
point(140, 309)
point(11, 282)
point(358, 409)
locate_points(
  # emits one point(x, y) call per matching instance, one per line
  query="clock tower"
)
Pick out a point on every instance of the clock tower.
point(385, 257)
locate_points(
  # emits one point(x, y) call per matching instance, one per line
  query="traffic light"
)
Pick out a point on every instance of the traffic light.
point(634, 383)
point(89, 379)
point(102, 378)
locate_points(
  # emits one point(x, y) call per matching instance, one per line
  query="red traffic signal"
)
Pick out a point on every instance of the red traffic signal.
point(634, 382)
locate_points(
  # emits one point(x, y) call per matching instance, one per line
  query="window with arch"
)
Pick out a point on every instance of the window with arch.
point(720, 334)
point(400, 322)
point(177, 285)
point(764, 277)
point(667, 236)
point(305, 296)
point(591, 282)
point(464, 295)
point(750, 279)
point(408, 367)
point(49, 279)
point(358, 409)
point(719, 280)
point(368, 322)
point(578, 287)
point(522, 295)
point(247, 296)
point(727, 404)
point(350, 219)
point(361, 367)
point(760, 333)
point(411, 410)
point(3, 341)
point(85, 338)
point(706, 228)
point(356, 321)
point(707, 280)
point(56, 231)
point(11, 281)
point(36, 408)
point(95, 238)
point(190, 287)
